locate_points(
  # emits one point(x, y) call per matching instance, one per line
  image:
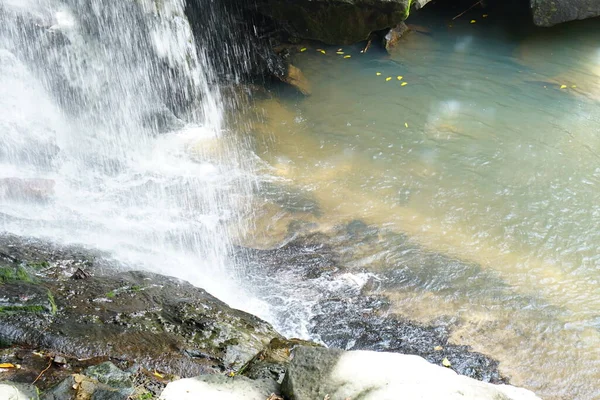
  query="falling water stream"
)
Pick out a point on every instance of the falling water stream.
point(113, 137)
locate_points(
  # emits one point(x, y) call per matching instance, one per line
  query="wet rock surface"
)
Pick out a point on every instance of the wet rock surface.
point(552, 12)
point(161, 323)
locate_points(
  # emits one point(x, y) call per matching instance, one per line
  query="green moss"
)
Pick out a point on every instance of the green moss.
point(22, 309)
point(39, 265)
point(111, 294)
point(144, 396)
point(12, 274)
point(6, 274)
point(22, 275)
point(53, 308)
point(136, 288)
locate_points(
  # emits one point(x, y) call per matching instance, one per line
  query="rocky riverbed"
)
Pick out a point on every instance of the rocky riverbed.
point(75, 323)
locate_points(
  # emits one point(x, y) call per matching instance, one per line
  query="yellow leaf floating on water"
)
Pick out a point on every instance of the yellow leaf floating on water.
point(563, 86)
point(406, 124)
point(399, 77)
point(348, 56)
point(7, 365)
point(446, 363)
point(158, 374)
point(339, 52)
point(389, 78)
point(231, 374)
point(473, 21)
point(484, 15)
point(377, 73)
point(574, 86)
point(303, 49)
point(404, 84)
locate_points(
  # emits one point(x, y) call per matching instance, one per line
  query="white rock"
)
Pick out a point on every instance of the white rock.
point(217, 387)
point(317, 373)
point(387, 376)
point(16, 391)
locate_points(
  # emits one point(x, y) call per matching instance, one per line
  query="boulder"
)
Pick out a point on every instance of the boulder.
point(101, 382)
point(17, 391)
point(336, 21)
point(156, 321)
point(552, 12)
point(317, 373)
point(219, 387)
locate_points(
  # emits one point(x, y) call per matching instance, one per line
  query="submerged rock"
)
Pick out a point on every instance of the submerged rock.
point(294, 77)
point(317, 373)
point(552, 12)
point(343, 312)
point(26, 189)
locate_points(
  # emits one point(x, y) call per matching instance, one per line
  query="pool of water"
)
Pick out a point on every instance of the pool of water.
point(480, 142)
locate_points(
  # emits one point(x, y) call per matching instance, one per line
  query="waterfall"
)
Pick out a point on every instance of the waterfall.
point(113, 137)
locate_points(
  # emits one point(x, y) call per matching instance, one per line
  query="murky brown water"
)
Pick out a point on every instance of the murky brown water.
point(488, 155)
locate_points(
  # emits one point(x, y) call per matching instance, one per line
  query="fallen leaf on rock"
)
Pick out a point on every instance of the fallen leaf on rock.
point(7, 365)
point(158, 374)
point(563, 86)
point(438, 348)
point(446, 363)
point(347, 56)
point(273, 396)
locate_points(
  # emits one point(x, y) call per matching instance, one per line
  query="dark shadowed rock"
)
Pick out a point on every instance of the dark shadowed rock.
point(552, 12)
point(337, 21)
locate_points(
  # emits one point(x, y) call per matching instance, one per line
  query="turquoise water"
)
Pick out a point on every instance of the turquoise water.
point(489, 154)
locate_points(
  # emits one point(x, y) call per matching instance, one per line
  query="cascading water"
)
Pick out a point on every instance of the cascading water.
point(112, 137)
